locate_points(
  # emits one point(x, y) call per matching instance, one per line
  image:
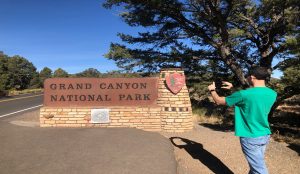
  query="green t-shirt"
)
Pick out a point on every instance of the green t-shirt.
point(252, 107)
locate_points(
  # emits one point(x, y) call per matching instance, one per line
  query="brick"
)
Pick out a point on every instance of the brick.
point(178, 120)
point(49, 121)
point(155, 109)
point(81, 113)
point(60, 122)
point(70, 121)
point(81, 121)
point(80, 116)
point(169, 120)
point(83, 110)
point(46, 125)
point(52, 113)
point(150, 120)
point(178, 102)
point(123, 121)
point(51, 110)
point(66, 118)
point(74, 118)
point(115, 124)
point(152, 130)
point(55, 118)
point(173, 99)
point(72, 113)
point(126, 109)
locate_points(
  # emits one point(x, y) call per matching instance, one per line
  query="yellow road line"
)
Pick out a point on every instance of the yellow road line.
point(20, 98)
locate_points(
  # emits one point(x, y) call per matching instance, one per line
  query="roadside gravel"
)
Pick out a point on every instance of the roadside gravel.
point(204, 150)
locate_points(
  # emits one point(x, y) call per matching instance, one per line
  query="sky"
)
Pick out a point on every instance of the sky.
point(69, 34)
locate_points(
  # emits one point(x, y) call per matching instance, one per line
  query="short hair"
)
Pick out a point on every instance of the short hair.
point(260, 73)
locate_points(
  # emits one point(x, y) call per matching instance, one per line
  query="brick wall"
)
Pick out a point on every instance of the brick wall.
point(173, 113)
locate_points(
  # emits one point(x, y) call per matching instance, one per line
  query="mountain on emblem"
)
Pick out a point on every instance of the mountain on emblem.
point(175, 82)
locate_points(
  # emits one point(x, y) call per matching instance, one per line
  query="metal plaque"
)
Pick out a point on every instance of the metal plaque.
point(100, 116)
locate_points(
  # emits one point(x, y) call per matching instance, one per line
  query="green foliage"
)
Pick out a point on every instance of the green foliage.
point(120, 74)
point(60, 73)
point(276, 84)
point(210, 39)
point(291, 76)
point(16, 72)
point(90, 72)
point(35, 82)
point(4, 78)
point(45, 73)
point(234, 34)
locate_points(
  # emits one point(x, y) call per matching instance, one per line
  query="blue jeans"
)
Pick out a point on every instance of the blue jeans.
point(254, 150)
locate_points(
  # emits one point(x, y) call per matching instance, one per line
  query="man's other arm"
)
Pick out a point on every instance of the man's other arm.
point(219, 100)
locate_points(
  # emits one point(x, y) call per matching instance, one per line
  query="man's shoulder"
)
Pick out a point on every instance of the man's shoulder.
point(271, 91)
point(257, 90)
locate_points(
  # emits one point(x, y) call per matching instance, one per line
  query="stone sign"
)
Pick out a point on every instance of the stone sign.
point(160, 103)
point(100, 92)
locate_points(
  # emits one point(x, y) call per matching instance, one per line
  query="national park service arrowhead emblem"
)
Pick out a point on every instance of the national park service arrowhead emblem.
point(175, 82)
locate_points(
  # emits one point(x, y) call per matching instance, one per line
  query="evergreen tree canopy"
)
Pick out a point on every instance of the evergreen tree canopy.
point(60, 73)
point(45, 73)
point(90, 72)
point(234, 34)
point(19, 72)
point(15, 72)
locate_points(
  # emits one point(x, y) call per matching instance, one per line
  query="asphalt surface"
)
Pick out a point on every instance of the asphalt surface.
point(35, 150)
point(12, 104)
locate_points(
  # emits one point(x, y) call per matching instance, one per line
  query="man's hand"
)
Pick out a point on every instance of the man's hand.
point(227, 85)
point(219, 100)
point(212, 86)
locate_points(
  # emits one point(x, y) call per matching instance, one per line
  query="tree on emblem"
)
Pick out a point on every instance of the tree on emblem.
point(173, 81)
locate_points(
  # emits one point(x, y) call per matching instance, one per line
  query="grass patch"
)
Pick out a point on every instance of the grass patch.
point(25, 91)
point(206, 115)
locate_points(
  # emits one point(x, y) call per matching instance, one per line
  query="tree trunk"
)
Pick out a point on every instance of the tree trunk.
point(228, 60)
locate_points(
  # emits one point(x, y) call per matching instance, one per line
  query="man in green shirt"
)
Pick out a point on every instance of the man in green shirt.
point(252, 107)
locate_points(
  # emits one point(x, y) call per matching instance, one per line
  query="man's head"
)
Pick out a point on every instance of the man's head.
point(258, 75)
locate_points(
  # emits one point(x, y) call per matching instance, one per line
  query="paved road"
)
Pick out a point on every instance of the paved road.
point(28, 150)
point(13, 104)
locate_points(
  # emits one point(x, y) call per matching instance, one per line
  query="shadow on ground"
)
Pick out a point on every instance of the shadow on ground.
point(295, 147)
point(218, 127)
point(197, 151)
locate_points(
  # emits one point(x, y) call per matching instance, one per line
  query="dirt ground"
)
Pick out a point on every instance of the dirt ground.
point(210, 150)
point(205, 150)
